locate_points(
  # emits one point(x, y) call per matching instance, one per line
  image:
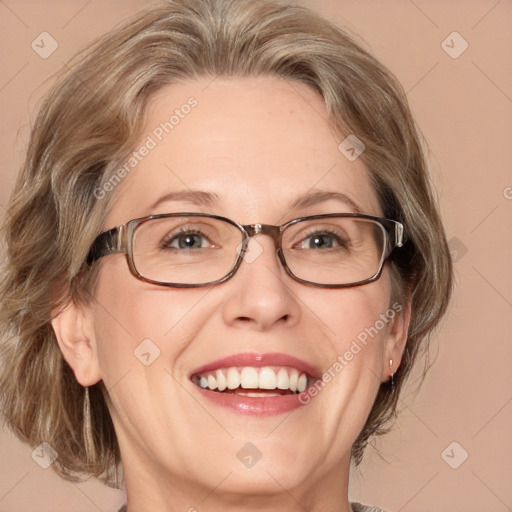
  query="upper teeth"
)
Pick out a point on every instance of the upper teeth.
point(250, 377)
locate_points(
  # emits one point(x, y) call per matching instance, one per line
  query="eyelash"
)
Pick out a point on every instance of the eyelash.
point(165, 243)
point(342, 242)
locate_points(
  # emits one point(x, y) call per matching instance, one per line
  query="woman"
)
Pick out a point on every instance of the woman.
point(223, 258)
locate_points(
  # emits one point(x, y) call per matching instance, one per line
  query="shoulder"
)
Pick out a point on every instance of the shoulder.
point(358, 507)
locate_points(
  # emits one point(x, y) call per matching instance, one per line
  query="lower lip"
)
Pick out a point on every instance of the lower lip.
point(254, 406)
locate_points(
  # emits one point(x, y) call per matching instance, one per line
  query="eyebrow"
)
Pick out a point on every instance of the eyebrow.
point(209, 199)
point(314, 198)
point(197, 197)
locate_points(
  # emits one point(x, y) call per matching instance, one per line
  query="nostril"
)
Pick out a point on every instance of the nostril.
point(248, 322)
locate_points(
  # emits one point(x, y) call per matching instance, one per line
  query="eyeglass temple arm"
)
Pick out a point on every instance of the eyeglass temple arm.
point(400, 237)
point(397, 236)
point(105, 244)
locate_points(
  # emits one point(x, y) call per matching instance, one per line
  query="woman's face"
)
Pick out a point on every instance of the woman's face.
point(255, 146)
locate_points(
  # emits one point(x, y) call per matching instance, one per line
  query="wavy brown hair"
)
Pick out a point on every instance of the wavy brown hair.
point(88, 125)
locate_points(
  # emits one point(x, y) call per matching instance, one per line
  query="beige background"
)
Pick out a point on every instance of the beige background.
point(464, 107)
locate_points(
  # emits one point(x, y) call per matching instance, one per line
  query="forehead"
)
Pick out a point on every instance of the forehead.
point(255, 144)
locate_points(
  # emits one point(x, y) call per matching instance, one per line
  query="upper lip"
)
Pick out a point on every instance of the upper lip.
point(260, 360)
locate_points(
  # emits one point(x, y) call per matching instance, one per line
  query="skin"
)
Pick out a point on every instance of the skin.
point(258, 143)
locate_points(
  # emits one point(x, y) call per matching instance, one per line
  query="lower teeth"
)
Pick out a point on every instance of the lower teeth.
point(257, 395)
point(256, 392)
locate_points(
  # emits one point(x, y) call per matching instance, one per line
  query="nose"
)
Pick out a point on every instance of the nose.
point(260, 296)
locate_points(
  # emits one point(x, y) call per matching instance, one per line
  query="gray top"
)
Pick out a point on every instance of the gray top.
point(357, 507)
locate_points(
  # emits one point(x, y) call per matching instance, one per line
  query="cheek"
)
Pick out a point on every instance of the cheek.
point(357, 329)
point(133, 318)
point(355, 314)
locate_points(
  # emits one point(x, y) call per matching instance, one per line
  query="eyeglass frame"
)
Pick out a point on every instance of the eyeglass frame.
point(120, 240)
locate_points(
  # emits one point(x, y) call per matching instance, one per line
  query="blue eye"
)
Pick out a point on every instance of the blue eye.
point(186, 240)
point(322, 240)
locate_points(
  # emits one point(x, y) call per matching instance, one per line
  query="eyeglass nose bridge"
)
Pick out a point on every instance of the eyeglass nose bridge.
point(274, 232)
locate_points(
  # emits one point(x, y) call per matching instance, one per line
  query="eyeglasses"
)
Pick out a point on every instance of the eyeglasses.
point(187, 250)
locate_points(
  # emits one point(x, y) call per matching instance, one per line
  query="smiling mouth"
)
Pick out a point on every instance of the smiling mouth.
point(253, 381)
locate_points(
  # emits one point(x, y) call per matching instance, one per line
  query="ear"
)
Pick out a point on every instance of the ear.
point(396, 338)
point(74, 330)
